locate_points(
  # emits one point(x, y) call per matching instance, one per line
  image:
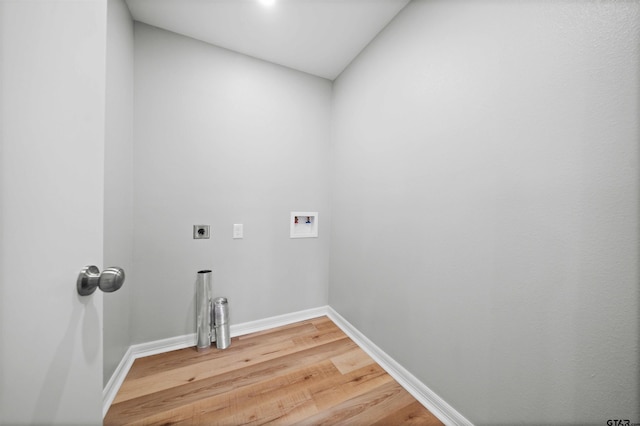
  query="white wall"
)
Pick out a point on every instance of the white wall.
point(485, 205)
point(52, 73)
point(221, 138)
point(118, 184)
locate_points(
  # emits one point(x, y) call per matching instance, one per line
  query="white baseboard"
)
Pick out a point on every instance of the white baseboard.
point(113, 385)
point(277, 321)
point(443, 411)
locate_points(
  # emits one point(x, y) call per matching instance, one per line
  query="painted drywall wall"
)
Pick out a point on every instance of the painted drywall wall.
point(52, 73)
point(118, 181)
point(485, 205)
point(221, 138)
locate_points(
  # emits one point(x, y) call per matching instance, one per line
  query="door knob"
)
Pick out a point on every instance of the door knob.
point(90, 278)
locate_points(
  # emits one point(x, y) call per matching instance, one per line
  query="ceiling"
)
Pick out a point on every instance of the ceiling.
point(319, 37)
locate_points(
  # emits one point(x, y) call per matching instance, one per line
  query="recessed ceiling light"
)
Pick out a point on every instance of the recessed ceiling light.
point(267, 3)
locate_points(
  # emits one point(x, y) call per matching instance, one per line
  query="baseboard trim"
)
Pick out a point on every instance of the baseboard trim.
point(113, 385)
point(277, 321)
point(443, 411)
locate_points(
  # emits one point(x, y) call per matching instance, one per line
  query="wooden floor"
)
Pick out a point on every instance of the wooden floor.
point(307, 373)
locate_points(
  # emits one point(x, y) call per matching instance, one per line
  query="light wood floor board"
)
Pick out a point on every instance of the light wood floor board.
point(307, 373)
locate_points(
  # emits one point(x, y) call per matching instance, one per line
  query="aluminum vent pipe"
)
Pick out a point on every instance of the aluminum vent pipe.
point(221, 322)
point(204, 306)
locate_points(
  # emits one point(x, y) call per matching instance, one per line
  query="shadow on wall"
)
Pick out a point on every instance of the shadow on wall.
point(190, 318)
point(2, 321)
point(638, 240)
point(2, 297)
point(48, 402)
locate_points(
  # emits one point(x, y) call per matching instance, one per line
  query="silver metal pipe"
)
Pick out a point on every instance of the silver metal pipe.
point(204, 307)
point(221, 322)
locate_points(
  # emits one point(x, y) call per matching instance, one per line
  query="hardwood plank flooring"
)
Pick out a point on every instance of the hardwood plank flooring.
point(307, 373)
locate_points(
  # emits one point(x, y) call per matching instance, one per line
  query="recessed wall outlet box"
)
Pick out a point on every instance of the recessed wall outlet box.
point(304, 225)
point(200, 232)
point(238, 231)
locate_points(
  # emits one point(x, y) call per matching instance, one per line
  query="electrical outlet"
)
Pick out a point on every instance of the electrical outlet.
point(200, 232)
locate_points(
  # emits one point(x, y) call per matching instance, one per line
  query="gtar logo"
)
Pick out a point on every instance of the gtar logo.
point(616, 422)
